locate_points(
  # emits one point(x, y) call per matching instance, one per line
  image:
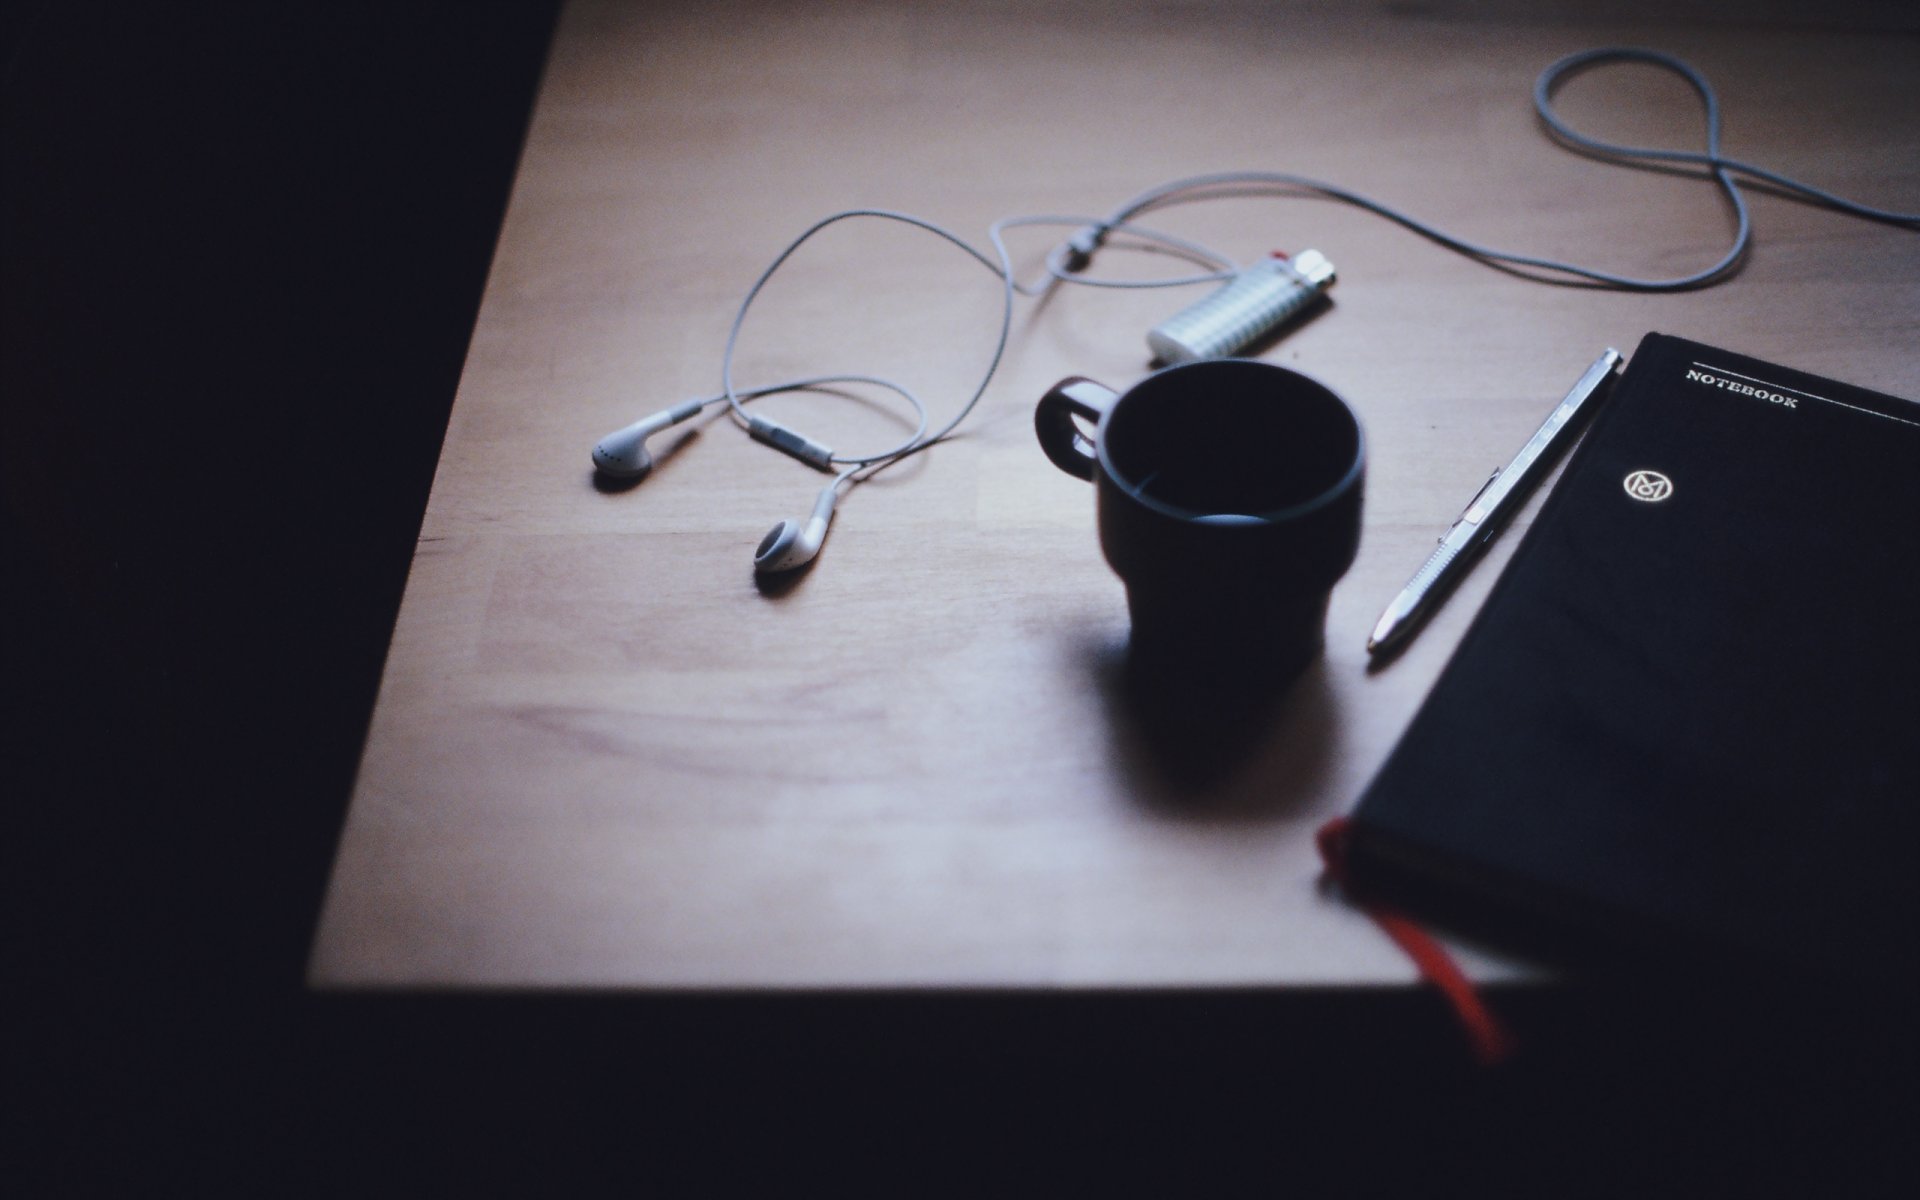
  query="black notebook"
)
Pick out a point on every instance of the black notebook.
point(1687, 719)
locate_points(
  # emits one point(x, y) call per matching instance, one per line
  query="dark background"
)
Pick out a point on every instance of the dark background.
point(241, 251)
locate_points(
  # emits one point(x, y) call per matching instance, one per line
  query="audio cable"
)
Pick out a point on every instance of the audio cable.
point(1268, 293)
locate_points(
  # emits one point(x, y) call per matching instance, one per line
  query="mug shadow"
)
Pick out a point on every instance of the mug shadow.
point(1210, 749)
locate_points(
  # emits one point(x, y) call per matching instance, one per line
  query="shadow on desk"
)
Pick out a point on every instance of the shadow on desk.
point(1194, 749)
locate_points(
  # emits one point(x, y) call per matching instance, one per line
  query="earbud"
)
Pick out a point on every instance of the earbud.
point(789, 545)
point(622, 454)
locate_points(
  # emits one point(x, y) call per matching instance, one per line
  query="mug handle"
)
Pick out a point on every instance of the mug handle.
point(1060, 435)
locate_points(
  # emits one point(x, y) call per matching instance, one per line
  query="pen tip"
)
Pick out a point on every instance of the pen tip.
point(1386, 629)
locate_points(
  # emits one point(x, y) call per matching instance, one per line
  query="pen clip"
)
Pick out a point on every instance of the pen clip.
point(1474, 512)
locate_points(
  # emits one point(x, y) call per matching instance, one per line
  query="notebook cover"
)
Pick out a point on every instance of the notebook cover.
point(1687, 723)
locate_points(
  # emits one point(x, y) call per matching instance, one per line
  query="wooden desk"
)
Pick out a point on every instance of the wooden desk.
point(603, 758)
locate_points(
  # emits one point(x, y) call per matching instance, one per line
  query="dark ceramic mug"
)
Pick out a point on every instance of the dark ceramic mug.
point(1229, 495)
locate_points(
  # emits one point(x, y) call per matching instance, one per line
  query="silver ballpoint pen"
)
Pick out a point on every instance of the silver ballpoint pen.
point(1489, 511)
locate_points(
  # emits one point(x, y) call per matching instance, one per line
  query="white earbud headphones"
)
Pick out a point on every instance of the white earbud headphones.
point(790, 545)
point(622, 455)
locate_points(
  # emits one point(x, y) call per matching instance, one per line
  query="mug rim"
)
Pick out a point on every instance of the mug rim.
point(1331, 494)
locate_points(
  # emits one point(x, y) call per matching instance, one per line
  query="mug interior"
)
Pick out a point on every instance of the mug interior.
point(1230, 438)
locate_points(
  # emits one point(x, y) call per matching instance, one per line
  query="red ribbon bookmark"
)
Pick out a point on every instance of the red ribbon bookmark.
point(1490, 1040)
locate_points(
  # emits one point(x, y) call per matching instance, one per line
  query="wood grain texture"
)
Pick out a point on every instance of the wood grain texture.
point(603, 758)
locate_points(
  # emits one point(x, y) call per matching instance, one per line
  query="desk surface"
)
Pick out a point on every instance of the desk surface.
point(602, 757)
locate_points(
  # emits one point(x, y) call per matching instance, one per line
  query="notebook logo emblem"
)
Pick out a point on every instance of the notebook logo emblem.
point(1650, 486)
